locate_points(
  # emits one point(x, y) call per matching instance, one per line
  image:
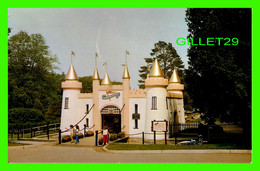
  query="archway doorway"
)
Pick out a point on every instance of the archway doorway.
point(111, 118)
point(175, 122)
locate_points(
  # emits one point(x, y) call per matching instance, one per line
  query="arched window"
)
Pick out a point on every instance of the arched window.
point(110, 110)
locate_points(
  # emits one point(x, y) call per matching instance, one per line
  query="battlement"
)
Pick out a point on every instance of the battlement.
point(178, 95)
point(156, 82)
point(71, 85)
point(175, 87)
point(85, 96)
point(137, 93)
point(110, 87)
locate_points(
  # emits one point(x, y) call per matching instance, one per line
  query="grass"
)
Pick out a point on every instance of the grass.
point(35, 140)
point(123, 146)
point(12, 144)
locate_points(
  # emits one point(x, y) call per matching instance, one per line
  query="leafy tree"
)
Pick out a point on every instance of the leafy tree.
point(219, 77)
point(167, 57)
point(86, 84)
point(32, 82)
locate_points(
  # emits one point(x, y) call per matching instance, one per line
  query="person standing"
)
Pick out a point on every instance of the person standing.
point(105, 134)
point(71, 129)
point(77, 134)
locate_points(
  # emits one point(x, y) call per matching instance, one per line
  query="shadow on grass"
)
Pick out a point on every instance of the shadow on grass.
point(124, 146)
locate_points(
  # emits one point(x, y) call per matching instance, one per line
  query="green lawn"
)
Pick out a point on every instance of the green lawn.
point(123, 146)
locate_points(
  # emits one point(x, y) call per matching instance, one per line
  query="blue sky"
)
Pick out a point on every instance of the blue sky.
point(108, 31)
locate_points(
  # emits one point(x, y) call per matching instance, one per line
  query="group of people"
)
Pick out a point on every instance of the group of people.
point(74, 132)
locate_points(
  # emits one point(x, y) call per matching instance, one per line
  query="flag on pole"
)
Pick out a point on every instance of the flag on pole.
point(127, 53)
point(72, 53)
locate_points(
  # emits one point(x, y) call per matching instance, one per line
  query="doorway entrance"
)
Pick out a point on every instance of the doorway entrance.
point(111, 118)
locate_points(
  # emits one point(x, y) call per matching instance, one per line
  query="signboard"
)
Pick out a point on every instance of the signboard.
point(110, 94)
point(159, 126)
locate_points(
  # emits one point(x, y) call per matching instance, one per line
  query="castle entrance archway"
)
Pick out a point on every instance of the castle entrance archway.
point(111, 118)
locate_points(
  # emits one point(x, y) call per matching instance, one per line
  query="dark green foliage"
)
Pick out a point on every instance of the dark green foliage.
point(219, 77)
point(167, 57)
point(86, 84)
point(32, 82)
point(22, 116)
point(121, 134)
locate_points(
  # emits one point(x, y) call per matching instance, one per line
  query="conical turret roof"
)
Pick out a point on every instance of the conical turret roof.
point(126, 73)
point(106, 80)
point(96, 75)
point(174, 78)
point(156, 70)
point(71, 75)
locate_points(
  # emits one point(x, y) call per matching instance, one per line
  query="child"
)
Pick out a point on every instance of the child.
point(105, 133)
point(77, 134)
point(71, 132)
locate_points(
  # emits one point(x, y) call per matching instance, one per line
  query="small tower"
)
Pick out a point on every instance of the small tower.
point(95, 87)
point(71, 88)
point(155, 99)
point(106, 80)
point(126, 88)
point(175, 99)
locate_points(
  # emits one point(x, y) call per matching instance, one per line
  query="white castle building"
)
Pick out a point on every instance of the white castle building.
point(121, 108)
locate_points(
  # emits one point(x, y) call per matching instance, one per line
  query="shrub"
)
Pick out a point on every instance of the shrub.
point(89, 133)
point(112, 137)
point(65, 138)
point(121, 134)
point(100, 141)
point(80, 135)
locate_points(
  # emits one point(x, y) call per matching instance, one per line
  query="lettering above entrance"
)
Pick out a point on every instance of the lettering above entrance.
point(110, 94)
point(110, 110)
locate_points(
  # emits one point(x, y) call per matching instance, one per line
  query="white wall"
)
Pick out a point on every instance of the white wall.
point(82, 110)
point(141, 110)
point(69, 116)
point(160, 114)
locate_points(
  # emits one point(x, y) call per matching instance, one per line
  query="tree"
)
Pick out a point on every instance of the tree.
point(86, 84)
point(32, 82)
point(167, 57)
point(219, 77)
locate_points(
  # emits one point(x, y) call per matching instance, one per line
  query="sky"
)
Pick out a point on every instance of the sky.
point(108, 31)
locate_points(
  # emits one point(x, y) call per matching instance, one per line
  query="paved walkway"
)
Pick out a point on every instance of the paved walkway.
point(86, 152)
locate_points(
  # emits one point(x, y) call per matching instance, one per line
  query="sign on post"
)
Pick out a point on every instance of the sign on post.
point(160, 126)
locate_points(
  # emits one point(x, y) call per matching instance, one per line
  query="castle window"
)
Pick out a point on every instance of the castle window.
point(66, 103)
point(136, 124)
point(136, 116)
point(87, 122)
point(87, 107)
point(154, 103)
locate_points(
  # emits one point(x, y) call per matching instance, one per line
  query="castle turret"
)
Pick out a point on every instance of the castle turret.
point(125, 112)
point(96, 111)
point(175, 99)
point(156, 98)
point(71, 88)
point(106, 80)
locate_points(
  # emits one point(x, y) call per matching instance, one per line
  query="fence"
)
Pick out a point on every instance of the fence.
point(223, 133)
point(39, 131)
point(84, 129)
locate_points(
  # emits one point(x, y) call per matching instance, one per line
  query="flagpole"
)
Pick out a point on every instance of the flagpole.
point(96, 60)
point(71, 58)
point(125, 58)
